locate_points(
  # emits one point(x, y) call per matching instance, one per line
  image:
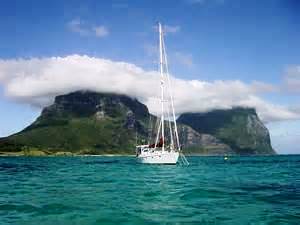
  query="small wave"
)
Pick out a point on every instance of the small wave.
point(44, 209)
point(16, 167)
point(203, 193)
point(102, 162)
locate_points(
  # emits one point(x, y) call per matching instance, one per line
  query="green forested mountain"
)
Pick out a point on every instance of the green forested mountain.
point(86, 122)
point(240, 128)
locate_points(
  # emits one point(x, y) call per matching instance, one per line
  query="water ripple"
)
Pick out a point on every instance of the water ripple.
point(117, 190)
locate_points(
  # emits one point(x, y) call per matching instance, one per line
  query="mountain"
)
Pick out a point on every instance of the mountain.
point(240, 128)
point(85, 122)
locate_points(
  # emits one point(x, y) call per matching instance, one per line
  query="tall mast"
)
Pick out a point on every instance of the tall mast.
point(161, 84)
point(171, 95)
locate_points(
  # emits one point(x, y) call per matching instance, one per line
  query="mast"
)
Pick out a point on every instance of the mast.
point(161, 84)
point(171, 96)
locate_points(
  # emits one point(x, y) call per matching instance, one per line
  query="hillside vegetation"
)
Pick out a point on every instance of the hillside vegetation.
point(86, 122)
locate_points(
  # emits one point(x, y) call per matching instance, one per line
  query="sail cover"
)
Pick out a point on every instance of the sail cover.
point(159, 144)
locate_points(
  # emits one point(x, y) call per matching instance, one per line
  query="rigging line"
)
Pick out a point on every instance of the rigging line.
point(136, 141)
point(171, 94)
point(161, 85)
point(167, 105)
point(186, 162)
point(157, 136)
point(157, 124)
point(149, 130)
point(170, 127)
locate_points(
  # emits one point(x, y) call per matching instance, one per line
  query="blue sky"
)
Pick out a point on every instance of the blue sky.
point(207, 40)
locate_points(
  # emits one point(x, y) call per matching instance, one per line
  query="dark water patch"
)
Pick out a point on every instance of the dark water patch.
point(42, 210)
point(19, 168)
point(5, 165)
point(202, 193)
point(271, 187)
point(102, 162)
point(151, 194)
point(56, 208)
point(285, 218)
point(18, 208)
point(287, 193)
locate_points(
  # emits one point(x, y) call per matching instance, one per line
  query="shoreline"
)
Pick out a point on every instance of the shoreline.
point(62, 155)
point(70, 154)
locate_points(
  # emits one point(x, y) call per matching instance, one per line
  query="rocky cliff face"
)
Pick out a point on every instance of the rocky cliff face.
point(85, 122)
point(240, 128)
point(85, 104)
point(89, 122)
point(201, 143)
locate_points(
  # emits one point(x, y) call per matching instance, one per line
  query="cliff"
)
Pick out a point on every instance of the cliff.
point(240, 128)
point(86, 122)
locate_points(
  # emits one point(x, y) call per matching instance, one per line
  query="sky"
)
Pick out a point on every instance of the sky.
point(222, 53)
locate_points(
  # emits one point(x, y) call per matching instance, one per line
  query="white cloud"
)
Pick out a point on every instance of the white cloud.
point(79, 26)
point(291, 79)
point(182, 58)
point(169, 28)
point(261, 87)
point(38, 81)
point(101, 31)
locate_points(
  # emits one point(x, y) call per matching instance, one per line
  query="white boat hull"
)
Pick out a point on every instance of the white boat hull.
point(159, 157)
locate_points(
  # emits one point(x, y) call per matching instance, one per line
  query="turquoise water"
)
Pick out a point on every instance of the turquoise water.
point(116, 190)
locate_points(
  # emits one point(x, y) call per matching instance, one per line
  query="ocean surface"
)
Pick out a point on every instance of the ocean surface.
point(117, 190)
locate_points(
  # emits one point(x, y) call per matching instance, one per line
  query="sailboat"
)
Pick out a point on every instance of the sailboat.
point(164, 150)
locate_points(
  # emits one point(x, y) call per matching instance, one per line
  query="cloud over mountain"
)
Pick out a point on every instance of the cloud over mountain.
point(38, 80)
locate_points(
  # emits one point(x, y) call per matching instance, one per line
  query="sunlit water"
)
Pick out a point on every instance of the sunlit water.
point(117, 190)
